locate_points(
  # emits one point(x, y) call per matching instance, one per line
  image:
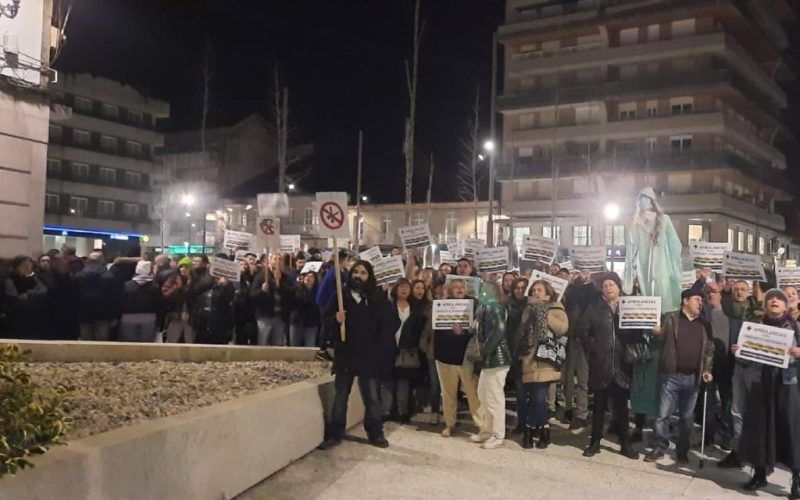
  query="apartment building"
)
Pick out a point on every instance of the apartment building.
point(100, 162)
point(603, 98)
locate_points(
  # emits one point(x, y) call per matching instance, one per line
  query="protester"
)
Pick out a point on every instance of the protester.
point(516, 307)
point(794, 300)
point(465, 268)
point(304, 330)
point(426, 346)
point(142, 300)
point(395, 394)
point(271, 293)
point(25, 301)
point(508, 284)
point(246, 331)
point(687, 359)
point(175, 288)
point(62, 303)
point(99, 298)
point(407, 360)
point(577, 298)
point(212, 313)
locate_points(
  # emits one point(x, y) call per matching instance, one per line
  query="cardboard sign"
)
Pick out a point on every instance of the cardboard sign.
point(331, 211)
point(559, 285)
point(416, 236)
point(290, 243)
point(237, 240)
point(765, 344)
point(268, 234)
point(470, 247)
point(389, 269)
point(311, 267)
point(451, 312)
point(688, 279)
point(568, 265)
point(788, 276)
point(639, 312)
point(371, 255)
point(224, 268)
point(240, 255)
point(588, 258)
point(447, 257)
point(708, 255)
point(492, 260)
point(743, 266)
point(539, 249)
point(473, 283)
point(275, 204)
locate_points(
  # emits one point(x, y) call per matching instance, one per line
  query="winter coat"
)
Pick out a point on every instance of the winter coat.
point(304, 303)
point(516, 309)
point(491, 331)
point(99, 293)
point(534, 370)
point(212, 317)
point(139, 296)
point(275, 302)
point(410, 334)
point(62, 308)
point(668, 340)
point(369, 342)
point(605, 347)
point(26, 308)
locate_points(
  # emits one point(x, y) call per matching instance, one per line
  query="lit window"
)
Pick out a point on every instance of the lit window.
point(308, 216)
point(615, 235)
point(651, 144)
point(133, 148)
point(519, 235)
point(581, 236)
point(110, 111)
point(627, 111)
point(740, 241)
point(731, 236)
point(419, 218)
point(652, 109)
point(547, 232)
point(386, 225)
point(108, 176)
point(105, 208)
point(83, 105)
point(751, 243)
point(762, 245)
point(131, 210)
point(450, 225)
point(133, 179)
point(628, 36)
point(78, 206)
point(680, 143)
point(81, 137)
point(108, 143)
point(681, 105)
point(80, 171)
point(695, 232)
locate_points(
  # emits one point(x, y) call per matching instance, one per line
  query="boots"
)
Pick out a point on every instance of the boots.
point(544, 438)
point(527, 438)
point(593, 448)
point(627, 451)
point(795, 491)
point(730, 462)
point(758, 481)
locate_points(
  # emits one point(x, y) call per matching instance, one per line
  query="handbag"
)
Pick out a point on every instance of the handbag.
point(552, 349)
point(638, 352)
point(474, 352)
point(408, 359)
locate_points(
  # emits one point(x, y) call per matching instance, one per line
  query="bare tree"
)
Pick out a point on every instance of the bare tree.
point(281, 113)
point(411, 83)
point(469, 179)
point(206, 69)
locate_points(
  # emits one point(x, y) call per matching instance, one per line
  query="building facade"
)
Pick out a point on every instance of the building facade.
point(100, 164)
point(603, 98)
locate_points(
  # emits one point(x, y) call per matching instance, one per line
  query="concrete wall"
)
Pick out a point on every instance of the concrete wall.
point(211, 453)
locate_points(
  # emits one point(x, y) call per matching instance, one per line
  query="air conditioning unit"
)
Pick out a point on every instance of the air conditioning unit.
point(11, 49)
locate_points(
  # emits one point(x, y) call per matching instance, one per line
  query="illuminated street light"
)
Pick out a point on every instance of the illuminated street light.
point(364, 198)
point(611, 211)
point(292, 186)
point(188, 214)
point(481, 157)
point(188, 199)
point(489, 145)
point(248, 207)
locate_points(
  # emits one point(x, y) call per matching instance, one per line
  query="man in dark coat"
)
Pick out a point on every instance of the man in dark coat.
point(99, 298)
point(367, 352)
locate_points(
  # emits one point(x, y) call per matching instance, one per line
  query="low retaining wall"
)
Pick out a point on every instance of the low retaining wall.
point(211, 453)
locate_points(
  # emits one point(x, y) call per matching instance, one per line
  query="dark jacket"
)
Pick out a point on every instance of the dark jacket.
point(212, 316)
point(410, 335)
point(514, 321)
point(26, 307)
point(275, 302)
point(668, 339)
point(305, 304)
point(491, 330)
point(62, 308)
point(369, 342)
point(99, 293)
point(605, 347)
point(141, 297)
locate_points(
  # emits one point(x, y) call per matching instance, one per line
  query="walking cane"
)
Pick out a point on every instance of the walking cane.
point(703, 435)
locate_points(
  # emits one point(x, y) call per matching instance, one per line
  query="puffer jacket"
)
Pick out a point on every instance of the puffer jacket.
point(605, 346)
point(534, 370)
point(491, 331)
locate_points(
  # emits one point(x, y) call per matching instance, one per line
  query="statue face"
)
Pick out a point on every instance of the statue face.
point(645, 203)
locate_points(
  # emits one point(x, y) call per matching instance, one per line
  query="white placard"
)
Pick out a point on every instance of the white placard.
point(568, 265)
point(743, 266)
point(559, 284)
point(224, 268)
point(389, 269)
point(290, 243)
point(371, 255)
point(275, 204)
point(451, 312)
point(765, 344)
point(237, 240)
point(688, 279)
point(788, 276)
point(268, 234)
point(539, 249)
point(588, 258)
point(492, 260)
point(240, 255)
point(331, 209)
point(708, 255)
point(418, 236)
point(447, 257)
point(311, 267)
point(473, 283)
point(470, 247)
point(639, 312)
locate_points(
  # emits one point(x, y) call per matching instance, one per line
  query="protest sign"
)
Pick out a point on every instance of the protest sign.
point(224, 268)
point(539, 249)
point(331, 209)
point(371, 255)
point(418, 236)
point(473, 283)
point(639, 312)
point(275, 204)
point(240, 255)
point(708, 255)
point(446, 257)
point(290, 243)
point(311, 267)
point(688, 279)
point(451, 312)
point(470, 246)
point(559, 284)
point(389, 269)
point(494, 259)
point(765, 344)
point(568, 265)
point(743, 266)
point(268, 234)
point(588, 258)
point(237, 240)
point(788, 276)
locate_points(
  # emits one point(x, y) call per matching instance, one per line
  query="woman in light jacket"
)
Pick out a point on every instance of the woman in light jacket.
point(544, 324)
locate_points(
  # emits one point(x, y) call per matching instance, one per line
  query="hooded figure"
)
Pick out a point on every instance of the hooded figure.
point(653, 253)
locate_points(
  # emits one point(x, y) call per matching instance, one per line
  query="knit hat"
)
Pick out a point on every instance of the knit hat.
point(776, 293)
point(186, 261)
point(144, 267)
point(690, 292)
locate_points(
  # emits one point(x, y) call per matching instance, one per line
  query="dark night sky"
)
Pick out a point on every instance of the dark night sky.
point(344, 62)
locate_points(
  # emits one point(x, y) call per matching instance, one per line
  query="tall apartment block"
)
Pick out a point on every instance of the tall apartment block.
point(603, 98)
point(100, 164)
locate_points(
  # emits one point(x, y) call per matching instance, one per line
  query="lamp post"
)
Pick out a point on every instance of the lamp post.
point(491, 144)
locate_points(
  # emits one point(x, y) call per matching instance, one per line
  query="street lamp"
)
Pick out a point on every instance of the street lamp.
point(248, 207)
point(364, 198)
point(188, 199)
point(489, 146)
point(291, 186)
point(611, 211)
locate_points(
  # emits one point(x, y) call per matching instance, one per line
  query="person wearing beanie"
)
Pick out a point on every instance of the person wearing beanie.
point(687, 358)
point(771, 423)
point(141, 303)
point(176, 290)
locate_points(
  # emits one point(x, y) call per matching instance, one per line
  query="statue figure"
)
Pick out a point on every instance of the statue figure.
point(653, 253)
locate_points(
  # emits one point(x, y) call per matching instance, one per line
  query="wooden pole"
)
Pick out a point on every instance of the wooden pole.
point(338, 283)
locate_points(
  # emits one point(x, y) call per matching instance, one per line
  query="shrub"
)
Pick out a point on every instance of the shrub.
point(31, 417)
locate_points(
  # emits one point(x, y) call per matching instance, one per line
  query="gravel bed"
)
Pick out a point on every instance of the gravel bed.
point(111, 395)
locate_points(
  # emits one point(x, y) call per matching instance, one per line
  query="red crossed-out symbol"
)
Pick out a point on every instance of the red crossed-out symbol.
point(267, 226)
point(331, 215)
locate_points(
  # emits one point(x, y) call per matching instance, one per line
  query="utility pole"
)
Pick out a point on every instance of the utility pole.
point(358, 191)
point(281, 129)
point(411, 83)
point(497, 147)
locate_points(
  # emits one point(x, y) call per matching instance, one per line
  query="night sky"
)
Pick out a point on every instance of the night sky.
point(343, 61)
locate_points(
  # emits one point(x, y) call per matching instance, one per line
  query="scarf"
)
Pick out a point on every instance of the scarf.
point(788, 375)
point(534, 330)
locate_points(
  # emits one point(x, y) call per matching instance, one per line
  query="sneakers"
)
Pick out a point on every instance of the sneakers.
point(492, 443)
point(448, 432)
point(730, 462)
point(330, 443)
point(577, 425)
point(592, 450)
point(654, 456)
point(379, 442)
point(480, 437)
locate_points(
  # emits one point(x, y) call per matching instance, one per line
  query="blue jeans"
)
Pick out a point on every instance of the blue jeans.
point(535, 403)
point(370, 394)
point(271, 331)
point(679, 392)
point(302, 336)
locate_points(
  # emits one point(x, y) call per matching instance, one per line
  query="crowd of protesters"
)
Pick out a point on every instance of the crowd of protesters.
point(554, 355)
